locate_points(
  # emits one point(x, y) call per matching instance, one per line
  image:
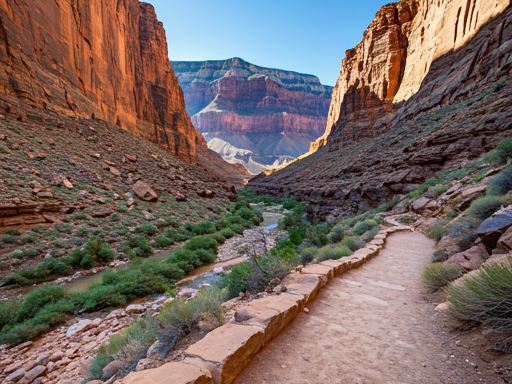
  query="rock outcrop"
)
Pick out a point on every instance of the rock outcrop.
point(259, 117)
point(426, 90)
point(97, 59)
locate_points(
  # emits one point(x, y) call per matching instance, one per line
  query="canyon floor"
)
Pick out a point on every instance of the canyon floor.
point(375, 325)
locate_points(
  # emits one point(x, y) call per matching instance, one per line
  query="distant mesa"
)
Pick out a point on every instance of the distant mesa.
point(259, 117)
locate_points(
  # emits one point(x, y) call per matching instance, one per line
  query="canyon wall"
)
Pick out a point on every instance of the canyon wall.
point(427, 89)
point(103, 59)
point(259, 117)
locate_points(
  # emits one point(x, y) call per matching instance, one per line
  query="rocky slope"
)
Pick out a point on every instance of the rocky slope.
point(427, 89)
point(259, 117)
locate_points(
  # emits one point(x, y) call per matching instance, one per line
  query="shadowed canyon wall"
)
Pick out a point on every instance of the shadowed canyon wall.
point(428, 88)
point(259, 117)
point(104, 59)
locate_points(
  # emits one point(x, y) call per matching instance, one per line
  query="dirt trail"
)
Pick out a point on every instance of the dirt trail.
point(371, 325)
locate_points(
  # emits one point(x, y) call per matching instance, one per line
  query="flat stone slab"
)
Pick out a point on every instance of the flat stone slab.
point(306, 286)
point(318, 269)
point(228, 349)
point(175, 373)
point(273, 313)
point(340, 266)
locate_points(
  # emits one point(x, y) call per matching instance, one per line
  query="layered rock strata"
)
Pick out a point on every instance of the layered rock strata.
point(428, 89)
point(97, 59)
point(259, 117)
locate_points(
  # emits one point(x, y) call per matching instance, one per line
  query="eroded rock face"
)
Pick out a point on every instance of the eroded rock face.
point(100, 59)
point(247, 112)
point(425, 91)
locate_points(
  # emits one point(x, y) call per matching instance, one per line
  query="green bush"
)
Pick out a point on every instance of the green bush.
point(436, 231)
point(202, 242)
point(363, 226)
point(17, 254)
point(308, 254)
point(438, 256)
point(228, 233)
point(148, 229)
point(12, 232)
point(317, 235)
point(333, 253)
point(122, 208)
point(337, 234)
point(163, 241)
point(64, 228)
point(483, 297)
point(87, 262)
point(352, 243)
point(105, 253)
point(81, 216)
point(39, 230)
point(237, 228)
point(501, 184)
point(8, 239)
point(484, 207)
point(31, 252)
point(245, 213)
point(238, 278)
point(115, 217)
point(437, 275)
point(38, 299)
point(141, 243)
point(502, 153)
point(185, 259)
point(297, 234)
point(290, 204)
point(204, 228)
point(121, 230)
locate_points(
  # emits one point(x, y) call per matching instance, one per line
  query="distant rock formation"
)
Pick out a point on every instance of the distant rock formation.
point(259, 117)
point(103, 59)
point(427, 89)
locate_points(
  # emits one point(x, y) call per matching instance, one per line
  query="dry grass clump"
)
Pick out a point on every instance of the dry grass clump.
point(437, 275)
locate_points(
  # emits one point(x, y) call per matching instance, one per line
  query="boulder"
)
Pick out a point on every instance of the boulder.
point(187, 293)
point(132, 158)
point(15, 376)
point(491, 230)
point(112, 368)
point(148, 216)
point(81, 326)
point(443, 308)
point(471, 259)
point(144, 191)
point(207, 194)
point(420, 204)
point(505, 241)
point(114, 171)
point(33, 374)
point(154, 351)
point(471, 194)
point(134, 309)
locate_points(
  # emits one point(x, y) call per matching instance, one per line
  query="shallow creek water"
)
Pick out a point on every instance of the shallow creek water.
point(195, 279)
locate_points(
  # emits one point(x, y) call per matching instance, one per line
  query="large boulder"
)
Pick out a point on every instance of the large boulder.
point(471, 194)
point(420, 204)
point(491, 230)
point(144, 191)
point(471, 259)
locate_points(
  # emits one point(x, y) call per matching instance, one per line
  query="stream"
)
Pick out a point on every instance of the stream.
point(195, 279)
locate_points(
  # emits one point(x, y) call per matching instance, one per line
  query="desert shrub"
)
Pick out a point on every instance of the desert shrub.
point(177, 236)
point(237, 228)
point(12, 232)
point(437, 275)
point(141, 243)
point(337, 234)
point(317, 235)
point(39, 230)
point(290, 204)
point(31, 252)
point(206, 256)
point(202, 242)
point(100, 361)
point(483, 297)
point(501, 184)
point(352, 243)
point(484, 207)
point(82, 232)
point(8, 309)
point(228, 233)
point(148, 229)
point(218, 238)
point(105, 253)
point(245, 213)
point(220, 224)
point(308, 254)
point(210, 302)
point(80, 216)
point(75, 259)
point(17, 254)
point(38, 299)
point(388, 206)
point(51, 268)
point(244, 276)
point(297, 234)
point(87, 261)
point(115, 217)
point(501, 154)
point(185, 256)
point(438, 256)
point(363, 226)
point(175, 223)
point(163, 241)
point(203, 228)
point(333, 253)
point(121, 230)
point(122, 208)
point(64, 228)
point(8, 239)
point(436, 231)
point(369, 235)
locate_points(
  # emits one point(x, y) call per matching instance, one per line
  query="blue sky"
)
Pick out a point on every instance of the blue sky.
point(297, 35)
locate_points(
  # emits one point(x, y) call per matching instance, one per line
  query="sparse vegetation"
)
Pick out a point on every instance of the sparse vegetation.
point(438, 275)
point(436, 231)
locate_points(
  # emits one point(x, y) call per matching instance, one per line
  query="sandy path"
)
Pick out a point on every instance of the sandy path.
point(370, 325)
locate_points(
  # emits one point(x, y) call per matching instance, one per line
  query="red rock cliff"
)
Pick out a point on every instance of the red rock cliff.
point(103, 59)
